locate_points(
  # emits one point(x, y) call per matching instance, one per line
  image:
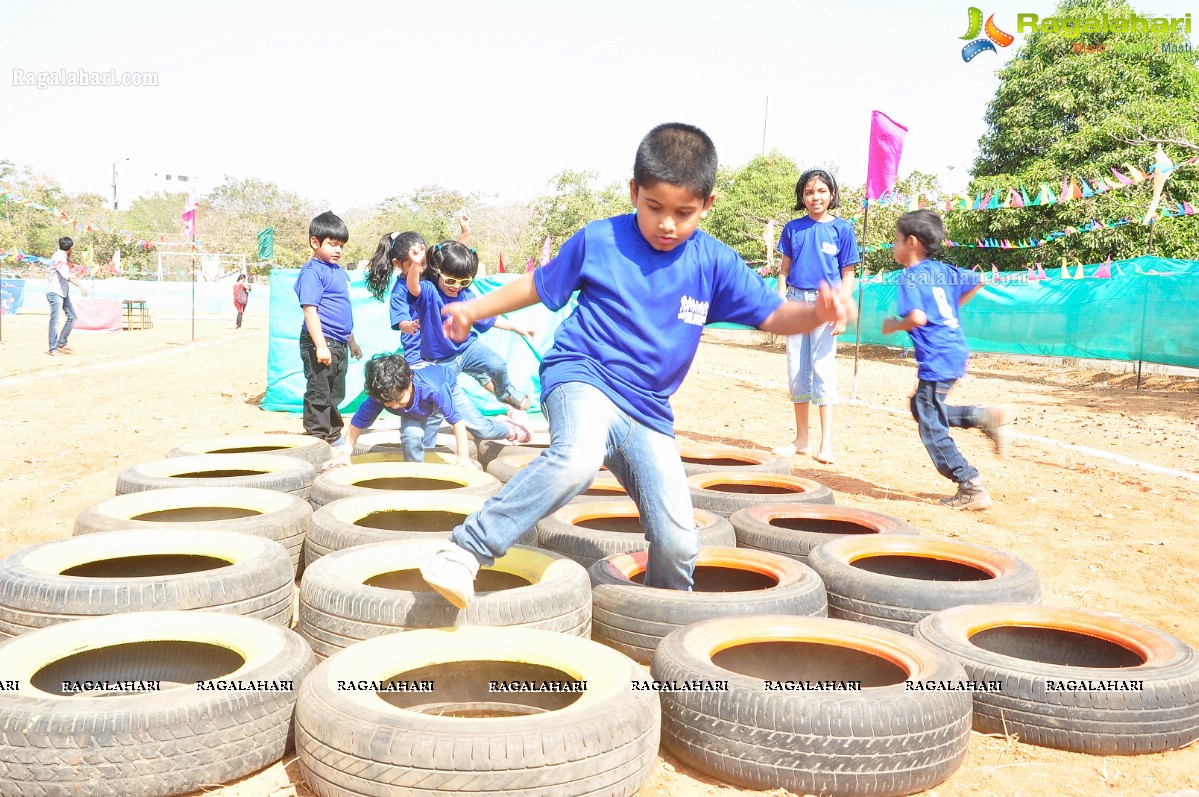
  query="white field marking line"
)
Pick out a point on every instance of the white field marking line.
point(1046, 441)
point(104, 366)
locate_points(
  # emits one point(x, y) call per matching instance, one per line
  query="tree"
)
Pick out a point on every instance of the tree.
point(750, 197)
point(232, 214)
point(573, 203)
point(1078, 107)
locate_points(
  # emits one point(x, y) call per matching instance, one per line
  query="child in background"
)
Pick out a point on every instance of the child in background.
point(241, 296)
point(323, 289)
point(817, 248)
point(647, 283)
point(452, 267)
point(419, 394)
point(929, 295)
point(394, 256)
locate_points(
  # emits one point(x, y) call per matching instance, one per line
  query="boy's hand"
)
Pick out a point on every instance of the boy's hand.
point(338, 459)
point(323, 355)
point(355, 351)
point(524, 332)
point(458, 320)
point(831, 307)
point(408, 327)
point(889, 325)
point(466, 462)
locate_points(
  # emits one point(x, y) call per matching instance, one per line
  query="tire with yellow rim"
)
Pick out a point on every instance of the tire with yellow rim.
point(408, 478)
point(301, 446)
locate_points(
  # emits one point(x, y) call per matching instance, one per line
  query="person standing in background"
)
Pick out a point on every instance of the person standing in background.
point(58, 294)
point(241, 296)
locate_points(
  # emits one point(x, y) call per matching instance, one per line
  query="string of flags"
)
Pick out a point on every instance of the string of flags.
point(1181, 209)
point(76, 225)
point(1012, 198)
point(1036, 273)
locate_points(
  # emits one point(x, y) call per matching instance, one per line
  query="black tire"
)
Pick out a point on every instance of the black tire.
point(705, 458)
point(561, 531)
point(604, 487)
point(264, 471)
point(795, 529)
point(491, 450)
point(388, 442)
point(512, 462)
point(370, 590)
point(600, 741)
point(131, 571)
point(301, 446)
point(433, 456)
point(897, 581)
point(282, 517)
point(401, 478)
point(386, 517)
point(146, 744)
point(879, 741)
point(1150, 703)
point(725, 492)
point(634, 618)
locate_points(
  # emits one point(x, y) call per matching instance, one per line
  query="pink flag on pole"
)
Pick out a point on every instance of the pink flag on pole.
point(189, 215)
point(886, 145)
point(545, 251)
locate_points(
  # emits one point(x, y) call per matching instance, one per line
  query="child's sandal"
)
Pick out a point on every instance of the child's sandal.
point(518, 434)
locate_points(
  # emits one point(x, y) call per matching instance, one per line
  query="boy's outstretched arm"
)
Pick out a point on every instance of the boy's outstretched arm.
point(914, 319)
point(792, 318)
point(461, 316)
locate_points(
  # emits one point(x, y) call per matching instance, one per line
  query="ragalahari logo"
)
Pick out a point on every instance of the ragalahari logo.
point(994, 35)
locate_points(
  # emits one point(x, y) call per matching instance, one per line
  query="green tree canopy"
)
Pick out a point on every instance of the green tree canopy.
point(1080, 106)
point(748, 198)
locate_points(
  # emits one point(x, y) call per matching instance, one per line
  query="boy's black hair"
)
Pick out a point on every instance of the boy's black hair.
point(926, 226)
point(393, 245)
point(386, 376)
point(452, 259)
point(824, 177)
point(65, 243)
point(677, 154)
point(328, 226)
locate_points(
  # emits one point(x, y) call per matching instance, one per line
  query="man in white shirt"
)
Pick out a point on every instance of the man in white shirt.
point(58, 294)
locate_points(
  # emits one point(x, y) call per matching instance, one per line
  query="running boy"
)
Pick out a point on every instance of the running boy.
point(324, 292)
point(647, 283)
point(418, 393)
point(929, 296)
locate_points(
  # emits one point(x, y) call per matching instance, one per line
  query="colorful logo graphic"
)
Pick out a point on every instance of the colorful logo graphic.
point(994, 35)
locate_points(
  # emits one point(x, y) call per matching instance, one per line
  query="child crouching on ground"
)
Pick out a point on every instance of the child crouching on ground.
point(418, 393)
point(929, 296)
point(647, 283)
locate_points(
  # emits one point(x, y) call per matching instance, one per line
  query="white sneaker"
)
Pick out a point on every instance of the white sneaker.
point(451, 571)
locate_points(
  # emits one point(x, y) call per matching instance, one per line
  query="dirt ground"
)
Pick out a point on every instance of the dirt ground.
point(1104, 533)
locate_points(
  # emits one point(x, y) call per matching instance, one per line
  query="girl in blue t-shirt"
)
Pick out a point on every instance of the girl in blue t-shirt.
point(449, 268)
point(816, 248)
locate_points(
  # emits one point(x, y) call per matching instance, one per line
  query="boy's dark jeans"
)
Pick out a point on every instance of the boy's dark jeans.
point(934, 418)
point(326, 389)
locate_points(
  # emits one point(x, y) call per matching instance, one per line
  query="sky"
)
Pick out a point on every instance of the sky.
point(349, 104)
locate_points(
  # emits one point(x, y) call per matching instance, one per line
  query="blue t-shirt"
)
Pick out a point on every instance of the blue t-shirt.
point(432, 392)
point(326, 287)
point(818, 251)
point(401, 310)
point(935, 288)
point(640, 312)
point(434, 345)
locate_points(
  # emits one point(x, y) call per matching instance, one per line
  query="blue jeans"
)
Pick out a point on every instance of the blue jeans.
point(60, 304)
point(416, 435)
point(934, 418)
point(811, 359)
point(587, 430)
point(485, 365)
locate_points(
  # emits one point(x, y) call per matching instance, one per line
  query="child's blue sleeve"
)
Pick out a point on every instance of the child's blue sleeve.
point(309, 287)
point(907, 296)
point(785, 246)
point(399, 308)
point(847, 250)
point(367, 413)
point(740, 295)
point(443, 397)
point(562, 276)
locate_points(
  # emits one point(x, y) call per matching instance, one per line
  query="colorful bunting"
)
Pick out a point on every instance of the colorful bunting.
point(77, 225)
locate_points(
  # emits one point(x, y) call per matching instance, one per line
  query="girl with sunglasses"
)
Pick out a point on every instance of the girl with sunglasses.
point(442, 276)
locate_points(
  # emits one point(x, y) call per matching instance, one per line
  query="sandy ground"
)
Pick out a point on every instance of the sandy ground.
point(1103, 533)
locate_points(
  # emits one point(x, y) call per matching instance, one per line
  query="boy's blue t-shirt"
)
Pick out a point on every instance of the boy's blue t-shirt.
point(432, 392)
point(326, 287)
point(434, 345)
point(402, 311)
point(935, 288)
point(818, 251)
point(640, 312)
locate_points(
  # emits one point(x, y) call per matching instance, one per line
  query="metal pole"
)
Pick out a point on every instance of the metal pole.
point(765, 117)
point(857, 343)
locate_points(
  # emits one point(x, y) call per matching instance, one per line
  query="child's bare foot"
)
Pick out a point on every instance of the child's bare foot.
point(824, 456)
point(793, 448)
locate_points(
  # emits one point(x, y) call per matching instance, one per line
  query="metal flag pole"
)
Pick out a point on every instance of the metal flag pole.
point(858, 334)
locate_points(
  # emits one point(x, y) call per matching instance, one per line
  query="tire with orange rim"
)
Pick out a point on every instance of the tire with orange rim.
point(634, 618)
point(588, 532)
point(1073, 679)
point(505, 466)
point(897, 581)
point(812, 705)
point(795, 529)
point(705, 458)
point(603, 487)
point(724, 492)
point(491, 450)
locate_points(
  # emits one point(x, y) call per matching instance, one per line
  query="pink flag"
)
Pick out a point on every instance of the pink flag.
point(886, 145)
point(189, 215)
point(1105, 271)
point(545, 251)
